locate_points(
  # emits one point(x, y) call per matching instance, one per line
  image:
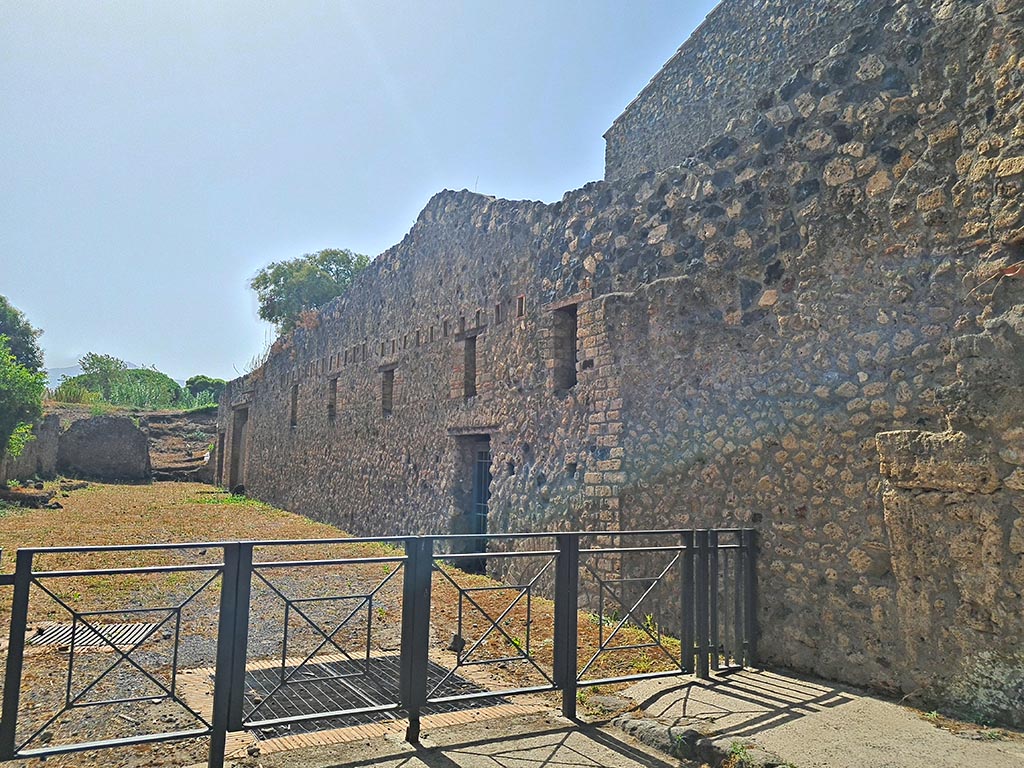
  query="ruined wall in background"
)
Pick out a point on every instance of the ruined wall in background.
point(745, 326)
point(743, 49)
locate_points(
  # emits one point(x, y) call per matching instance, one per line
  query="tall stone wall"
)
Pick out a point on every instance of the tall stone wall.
point(745, 325)
point(743, 49)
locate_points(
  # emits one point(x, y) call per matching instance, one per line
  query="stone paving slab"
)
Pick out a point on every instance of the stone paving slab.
point(526, 741)
point(818, 725)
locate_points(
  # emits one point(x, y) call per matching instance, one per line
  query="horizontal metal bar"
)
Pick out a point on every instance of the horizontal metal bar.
point(6, 579)
point(627, 678)
point(489, 555)
point(339, 561)
point(664, 532)
point(469, 536)
point(126, 610)
point(126, 571)
point(126, 741)
point(492, 694)
point(127, 547)
point(317, 542)
point(498, 588)
point(500, 660)
point(666, 548)
point(319, 716)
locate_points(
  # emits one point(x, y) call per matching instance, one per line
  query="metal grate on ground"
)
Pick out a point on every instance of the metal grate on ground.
point(336, 685)
point(120, 635)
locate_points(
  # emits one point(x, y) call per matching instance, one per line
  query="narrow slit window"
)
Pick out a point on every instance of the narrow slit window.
point(293, 418)
point(364, 351)
point(563, 336)
point(387, 391)
point(520, 306)
point(332, 399)
point(469, 368)
point(497, 313)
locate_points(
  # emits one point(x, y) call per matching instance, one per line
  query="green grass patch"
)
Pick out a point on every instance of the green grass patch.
point(225, 499)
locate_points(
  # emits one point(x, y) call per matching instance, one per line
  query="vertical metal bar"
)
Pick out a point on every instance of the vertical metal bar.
point(737, 606)
point(687, 609)
point(415, 658)
point(713, 594)
point(240, 631)
point(15, 653)
point(749, 617)
point(222, 682)
point(702, 604)
point(567, 584)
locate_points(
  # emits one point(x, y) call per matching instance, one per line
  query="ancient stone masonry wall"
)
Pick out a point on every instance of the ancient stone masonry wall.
point(744, 49)
point(744, 327)
point(954, 510)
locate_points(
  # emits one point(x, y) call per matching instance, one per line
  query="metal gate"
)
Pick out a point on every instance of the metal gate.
point(286, 634)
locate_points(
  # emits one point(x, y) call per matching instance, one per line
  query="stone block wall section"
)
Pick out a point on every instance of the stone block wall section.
point(743, 50)
point(746, 324)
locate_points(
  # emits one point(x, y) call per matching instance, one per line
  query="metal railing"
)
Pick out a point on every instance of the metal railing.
point(305, 629)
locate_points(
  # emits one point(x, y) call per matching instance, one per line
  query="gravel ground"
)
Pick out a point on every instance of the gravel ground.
point(103, 514)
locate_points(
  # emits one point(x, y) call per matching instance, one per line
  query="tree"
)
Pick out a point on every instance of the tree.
point(102, 371)
point(21, 401)
point(21, 336)
point(199, 383)
point(285, 289)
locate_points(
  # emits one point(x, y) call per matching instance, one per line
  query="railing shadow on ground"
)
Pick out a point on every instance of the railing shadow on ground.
point(579, 746)
point(744, 702)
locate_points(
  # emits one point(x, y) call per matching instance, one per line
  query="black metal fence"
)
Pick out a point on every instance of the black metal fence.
point(323, 631)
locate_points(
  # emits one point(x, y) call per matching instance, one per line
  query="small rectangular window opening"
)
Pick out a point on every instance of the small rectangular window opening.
point(520, 306)
point(446, 329)
point(497, 313)
point(332, 398)
point(564, 330)
point(469, 368)
point(387, 391)
point(293, 418)
point(364, 351)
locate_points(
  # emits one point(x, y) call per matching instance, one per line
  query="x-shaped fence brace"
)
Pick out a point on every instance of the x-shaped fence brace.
point(630, 613)
point(169, 690)
point(288, 674)
point(522, 650)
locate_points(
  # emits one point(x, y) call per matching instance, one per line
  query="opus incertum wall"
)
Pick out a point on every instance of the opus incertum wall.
point(719, 343)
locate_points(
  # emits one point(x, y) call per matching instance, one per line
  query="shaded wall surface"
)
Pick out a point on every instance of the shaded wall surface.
point(743, 326)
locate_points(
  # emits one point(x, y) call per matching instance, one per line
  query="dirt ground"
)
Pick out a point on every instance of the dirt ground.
point(496, 623)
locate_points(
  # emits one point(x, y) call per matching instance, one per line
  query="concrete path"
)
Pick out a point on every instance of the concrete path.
point(820, 725)
point(529, 741)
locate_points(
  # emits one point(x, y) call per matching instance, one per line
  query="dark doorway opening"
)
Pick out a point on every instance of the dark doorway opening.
point(474, 491)
point(239, 432)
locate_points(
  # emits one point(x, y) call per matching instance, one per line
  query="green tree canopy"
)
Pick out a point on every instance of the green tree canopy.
point(101, 371)
point(21, 336)
point(21, 400)
point(285, 289)
point(200, 383)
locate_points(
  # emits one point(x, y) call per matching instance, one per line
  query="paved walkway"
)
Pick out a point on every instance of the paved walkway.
point(537, 741)
point(819, 725)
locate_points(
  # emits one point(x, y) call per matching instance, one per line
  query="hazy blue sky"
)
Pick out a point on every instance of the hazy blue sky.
point(155, 155)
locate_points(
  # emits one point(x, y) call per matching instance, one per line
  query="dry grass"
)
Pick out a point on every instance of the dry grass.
point(187, 512)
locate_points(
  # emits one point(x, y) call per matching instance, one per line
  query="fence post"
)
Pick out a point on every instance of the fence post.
point(749, 598)
point(224, 682)
point(240, 650)
point(703, 670)
point(567, 585)
point(687, 609)
point(15, 653)
point(415, 657)
point(713, 596)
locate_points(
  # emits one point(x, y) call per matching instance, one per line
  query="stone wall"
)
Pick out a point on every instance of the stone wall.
point(955, 515)
point(743, 49)
point(745, 325)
